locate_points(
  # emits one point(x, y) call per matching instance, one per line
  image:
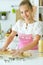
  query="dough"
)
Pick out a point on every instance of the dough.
point(7, 53)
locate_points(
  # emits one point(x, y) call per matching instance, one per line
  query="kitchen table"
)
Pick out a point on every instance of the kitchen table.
point(33, 60)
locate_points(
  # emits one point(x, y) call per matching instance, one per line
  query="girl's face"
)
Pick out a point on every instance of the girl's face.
point(26, 12)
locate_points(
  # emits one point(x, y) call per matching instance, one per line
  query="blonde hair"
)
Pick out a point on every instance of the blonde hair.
point(26, 2)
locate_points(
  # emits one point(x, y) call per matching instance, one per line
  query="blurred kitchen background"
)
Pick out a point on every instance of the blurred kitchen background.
point(41, 10)
point(10, 19)
point(9, 14)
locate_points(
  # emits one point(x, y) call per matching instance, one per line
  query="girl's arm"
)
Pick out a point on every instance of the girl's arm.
point(32, 44)
point(9, 39)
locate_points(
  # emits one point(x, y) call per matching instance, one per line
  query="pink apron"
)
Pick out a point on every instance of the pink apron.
point(25, 39)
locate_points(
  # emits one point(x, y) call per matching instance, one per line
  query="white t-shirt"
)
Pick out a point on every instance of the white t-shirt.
point(34, 28)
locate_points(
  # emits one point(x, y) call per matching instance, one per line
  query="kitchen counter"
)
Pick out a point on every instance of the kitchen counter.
point(34, 59)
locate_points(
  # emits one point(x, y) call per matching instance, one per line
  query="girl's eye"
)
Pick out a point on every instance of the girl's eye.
point(26, 11)
point(21, 12)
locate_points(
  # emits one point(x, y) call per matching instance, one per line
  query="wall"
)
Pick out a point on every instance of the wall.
point(6, 5)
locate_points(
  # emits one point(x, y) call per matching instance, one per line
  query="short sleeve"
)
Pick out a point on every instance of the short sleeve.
point(15, 27)
point(38, 28)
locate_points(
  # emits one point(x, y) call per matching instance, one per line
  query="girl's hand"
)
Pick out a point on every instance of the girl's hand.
point(13, 51)
point(2, 49)
point(17, 53)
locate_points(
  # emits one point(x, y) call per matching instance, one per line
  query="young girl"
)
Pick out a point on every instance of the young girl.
point(28, 30)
